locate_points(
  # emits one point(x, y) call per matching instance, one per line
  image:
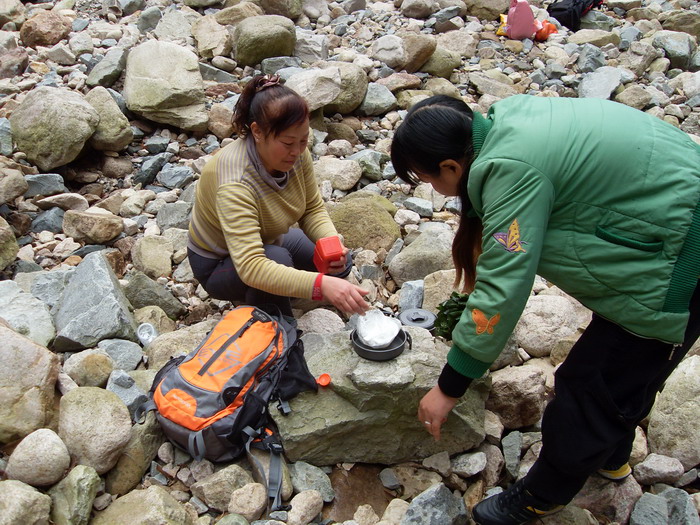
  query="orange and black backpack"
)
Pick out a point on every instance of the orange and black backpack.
point(213, 402)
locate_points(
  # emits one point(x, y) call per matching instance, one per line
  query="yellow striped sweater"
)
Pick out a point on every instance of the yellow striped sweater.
point(236, 212)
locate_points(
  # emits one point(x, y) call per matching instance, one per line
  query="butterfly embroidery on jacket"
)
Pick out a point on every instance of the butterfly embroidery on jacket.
point(511, 240)
point(484, 324)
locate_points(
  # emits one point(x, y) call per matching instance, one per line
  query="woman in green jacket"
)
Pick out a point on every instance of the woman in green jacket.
point(599, 199)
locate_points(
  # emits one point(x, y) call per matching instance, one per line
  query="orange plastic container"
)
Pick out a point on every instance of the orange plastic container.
point(327, 250)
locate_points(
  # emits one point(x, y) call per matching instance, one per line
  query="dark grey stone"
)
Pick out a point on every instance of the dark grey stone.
point(628, 35)
point(129, 7)
point(126, 354)
point(174, 215)
point(411, 295)
point(681, 510)
point(270, 66)
point(49, 286)
point(389, 479)
point(512, 447)
point(175, 176)
point(149, 19)
point(122, 384)
point(591, 58)
point(93, 307)
point(44, 184)
point(309, 477)
point(150, 168)
point(108, 70)
point(142, 291)
point(79, 24)
point(422, 207)
point(215, 74)
point(371, 162)
point(50, 220)
point(436, 506)
point(155, 145)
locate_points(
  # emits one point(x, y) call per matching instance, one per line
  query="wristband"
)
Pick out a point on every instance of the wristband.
point(316, 295)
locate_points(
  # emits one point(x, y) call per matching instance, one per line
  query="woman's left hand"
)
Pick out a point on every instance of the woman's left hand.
point(338, 265)
point(433, 410)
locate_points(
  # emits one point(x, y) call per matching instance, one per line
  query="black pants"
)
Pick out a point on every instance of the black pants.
point(604, 388)
point(221, 280)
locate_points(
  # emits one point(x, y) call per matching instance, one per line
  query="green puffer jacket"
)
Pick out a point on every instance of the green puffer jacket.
point(597, 198)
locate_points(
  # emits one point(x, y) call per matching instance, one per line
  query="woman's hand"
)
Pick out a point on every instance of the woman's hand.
point(344, 295)
point(433, 410)
point(338, 265)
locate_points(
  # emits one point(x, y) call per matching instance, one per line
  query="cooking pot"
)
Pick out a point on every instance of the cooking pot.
point(381, 354)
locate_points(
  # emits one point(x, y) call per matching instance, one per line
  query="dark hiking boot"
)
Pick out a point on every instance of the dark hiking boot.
point(514, 506)
point(616, 474)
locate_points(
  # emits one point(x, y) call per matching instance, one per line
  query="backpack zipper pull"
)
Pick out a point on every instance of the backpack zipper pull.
point(673, 350)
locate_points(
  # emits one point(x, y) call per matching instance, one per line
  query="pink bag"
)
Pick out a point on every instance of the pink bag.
point(521, 22)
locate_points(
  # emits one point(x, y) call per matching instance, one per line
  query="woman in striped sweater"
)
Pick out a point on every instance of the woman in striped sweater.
point(242, 246)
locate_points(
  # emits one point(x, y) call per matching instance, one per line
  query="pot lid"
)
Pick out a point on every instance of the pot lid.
point(418, 317)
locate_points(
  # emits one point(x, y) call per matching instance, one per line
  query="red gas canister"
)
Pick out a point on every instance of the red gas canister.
point(327, 250)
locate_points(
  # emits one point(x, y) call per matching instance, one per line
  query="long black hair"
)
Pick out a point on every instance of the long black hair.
point(436, 129)
point(271, 105)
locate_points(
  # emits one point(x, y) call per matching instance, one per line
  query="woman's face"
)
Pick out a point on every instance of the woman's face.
point(447, 182)
point(278, 154)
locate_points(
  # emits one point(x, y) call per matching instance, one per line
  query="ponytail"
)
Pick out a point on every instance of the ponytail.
point(273, 106)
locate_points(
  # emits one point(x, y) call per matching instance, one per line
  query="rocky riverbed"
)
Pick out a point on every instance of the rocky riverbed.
point(109, 110)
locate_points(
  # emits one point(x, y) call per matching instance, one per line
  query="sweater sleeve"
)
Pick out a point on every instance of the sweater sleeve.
point(236, 202)
point(516, 201)
point(315, 221)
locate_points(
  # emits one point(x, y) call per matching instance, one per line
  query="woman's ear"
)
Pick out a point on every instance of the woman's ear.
point(451, 167)
point(256, 131)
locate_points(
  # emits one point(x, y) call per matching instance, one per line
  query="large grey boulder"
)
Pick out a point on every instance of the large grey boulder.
point(72, 498)
point(365, 223)
point(40, 459)
point(26, 314)
point(52, 125)
point(378, 101)
point(430, 252)
point(674, 428)
point(546, 320)
point(20, 503)
point(353, 87)
point(163, 83)
point(677, 46)
point(260, 37)
point(145, 507)
point(95, 426)
point(93, 307)
point(348, 420)
point(317, 86)
point(27, 385)
point(113, 132)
